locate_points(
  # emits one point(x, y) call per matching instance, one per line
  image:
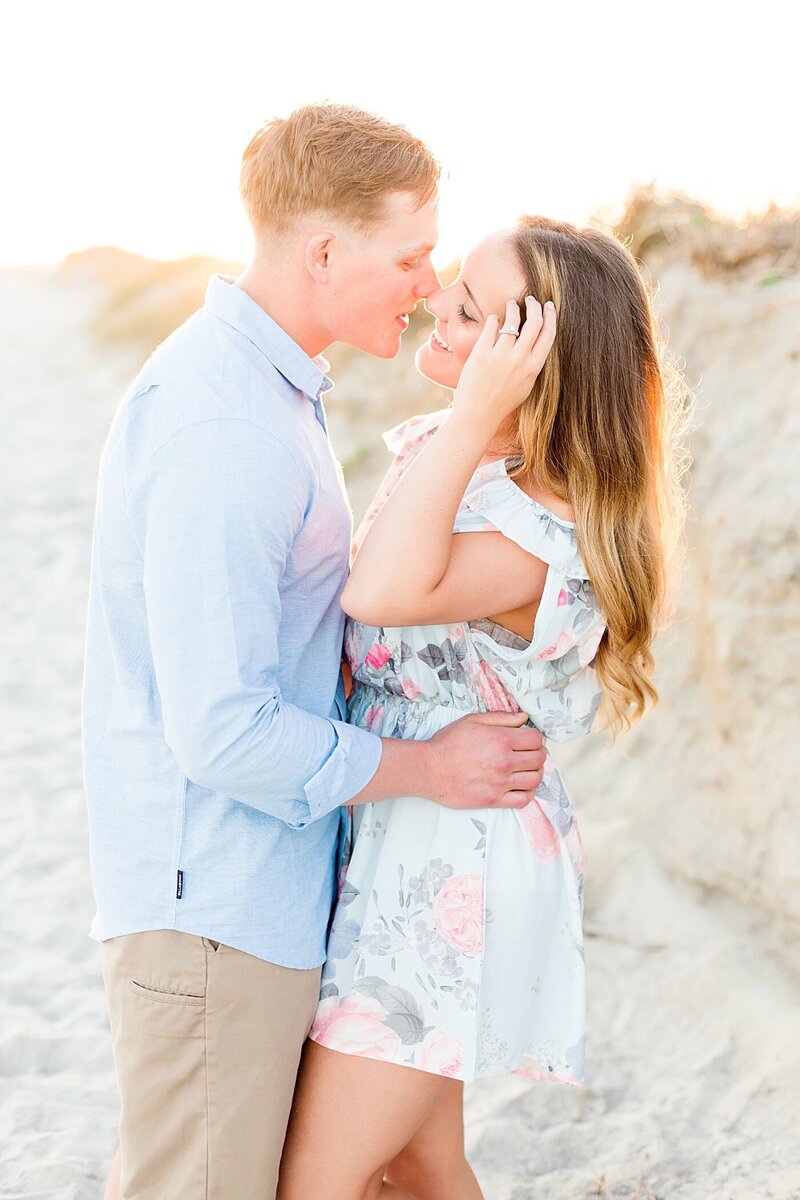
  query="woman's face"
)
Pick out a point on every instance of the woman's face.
point(490, 276)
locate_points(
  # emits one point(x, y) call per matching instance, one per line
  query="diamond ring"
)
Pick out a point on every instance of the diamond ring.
point(509, 329)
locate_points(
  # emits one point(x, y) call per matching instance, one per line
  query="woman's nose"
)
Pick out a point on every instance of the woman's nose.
point(433, 302)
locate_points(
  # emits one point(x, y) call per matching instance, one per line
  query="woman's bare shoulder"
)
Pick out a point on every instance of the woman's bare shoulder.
point(548, 500)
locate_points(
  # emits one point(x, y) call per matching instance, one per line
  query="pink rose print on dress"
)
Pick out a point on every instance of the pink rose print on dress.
point(541, 833)
point(355, 1027)
point(373, 715)
point(589, 646)
point(565, 642)
point(496, 696)
point(441, 1053)
point(458, 912)
point(578, 853)
point(378, 656)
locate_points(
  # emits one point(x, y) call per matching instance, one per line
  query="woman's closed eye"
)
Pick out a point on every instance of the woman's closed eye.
point(463, 314)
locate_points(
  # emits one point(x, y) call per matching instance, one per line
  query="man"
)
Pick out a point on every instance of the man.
point(218, 761)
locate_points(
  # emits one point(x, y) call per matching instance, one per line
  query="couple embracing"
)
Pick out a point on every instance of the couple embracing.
point(324, 907)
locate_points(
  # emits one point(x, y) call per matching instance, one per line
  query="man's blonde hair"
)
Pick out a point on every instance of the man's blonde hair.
point(332, 159)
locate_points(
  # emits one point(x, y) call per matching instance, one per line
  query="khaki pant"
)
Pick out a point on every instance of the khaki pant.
point(207, 1042)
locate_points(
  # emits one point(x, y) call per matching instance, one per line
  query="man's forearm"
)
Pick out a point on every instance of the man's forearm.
point(481, 760)
point(406, 769)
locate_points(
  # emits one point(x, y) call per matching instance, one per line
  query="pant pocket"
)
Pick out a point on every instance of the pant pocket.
point(160, 996)
point(160, 1056)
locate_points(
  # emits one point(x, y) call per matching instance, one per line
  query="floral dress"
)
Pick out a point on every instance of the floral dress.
point(456, 946)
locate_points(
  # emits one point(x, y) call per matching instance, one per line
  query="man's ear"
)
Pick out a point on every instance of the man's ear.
point(319, 251)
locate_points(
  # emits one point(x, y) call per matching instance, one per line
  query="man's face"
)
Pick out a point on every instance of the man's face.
point(378, 276)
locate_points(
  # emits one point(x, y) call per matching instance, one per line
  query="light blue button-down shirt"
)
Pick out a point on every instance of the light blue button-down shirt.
point(215, 753)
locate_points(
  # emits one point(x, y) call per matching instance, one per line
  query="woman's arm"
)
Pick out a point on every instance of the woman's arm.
point(410, 567)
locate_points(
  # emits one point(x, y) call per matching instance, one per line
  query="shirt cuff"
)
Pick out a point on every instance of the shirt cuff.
point(348, 769)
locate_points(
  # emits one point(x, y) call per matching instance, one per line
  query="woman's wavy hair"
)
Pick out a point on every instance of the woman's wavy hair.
point(604, 428)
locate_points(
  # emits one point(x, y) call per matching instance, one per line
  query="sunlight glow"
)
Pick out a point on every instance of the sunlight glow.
point(124, 124)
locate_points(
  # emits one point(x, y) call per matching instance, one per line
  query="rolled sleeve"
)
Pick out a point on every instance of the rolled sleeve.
point(345, 772)
point(217, 511)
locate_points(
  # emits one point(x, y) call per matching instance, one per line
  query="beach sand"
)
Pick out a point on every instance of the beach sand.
point(694, 1028)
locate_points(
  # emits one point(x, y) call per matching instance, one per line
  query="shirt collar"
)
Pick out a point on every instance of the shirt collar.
point(238, 309)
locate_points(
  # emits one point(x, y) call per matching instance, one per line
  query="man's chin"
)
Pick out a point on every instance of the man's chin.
point(388, 347)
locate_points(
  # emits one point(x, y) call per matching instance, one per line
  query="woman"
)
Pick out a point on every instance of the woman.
point(517, 558)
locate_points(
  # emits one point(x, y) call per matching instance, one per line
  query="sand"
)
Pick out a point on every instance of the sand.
point(694, 1024)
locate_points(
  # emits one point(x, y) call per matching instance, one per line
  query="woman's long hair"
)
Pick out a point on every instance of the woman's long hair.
point(603, 429)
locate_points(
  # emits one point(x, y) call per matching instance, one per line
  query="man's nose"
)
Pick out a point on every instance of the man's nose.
point(428, 284)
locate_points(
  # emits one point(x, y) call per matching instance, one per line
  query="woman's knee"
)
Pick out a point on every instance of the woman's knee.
point(431, 1176)
point(328, 1183)
point(430, 1185)
point(374, 1187)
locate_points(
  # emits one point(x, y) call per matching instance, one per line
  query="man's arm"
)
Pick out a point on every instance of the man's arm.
point(216, 514)
point(484, 760)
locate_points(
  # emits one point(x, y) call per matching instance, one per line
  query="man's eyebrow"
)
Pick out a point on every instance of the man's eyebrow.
point(472, 298)
point(422, 248)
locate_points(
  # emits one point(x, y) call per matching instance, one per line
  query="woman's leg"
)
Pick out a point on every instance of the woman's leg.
point(433, 1166)
point(112, 1186)
point(351, 1117)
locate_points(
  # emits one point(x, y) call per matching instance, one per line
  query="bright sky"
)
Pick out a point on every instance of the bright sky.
point(124, 123)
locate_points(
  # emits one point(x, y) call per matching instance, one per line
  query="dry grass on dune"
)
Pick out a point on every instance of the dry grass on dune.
point(145, 298)
point(659, 228)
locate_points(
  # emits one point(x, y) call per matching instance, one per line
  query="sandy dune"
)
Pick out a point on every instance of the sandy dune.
point(694, 1023)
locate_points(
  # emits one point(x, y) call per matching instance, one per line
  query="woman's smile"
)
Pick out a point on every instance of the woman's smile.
point(439, 343)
